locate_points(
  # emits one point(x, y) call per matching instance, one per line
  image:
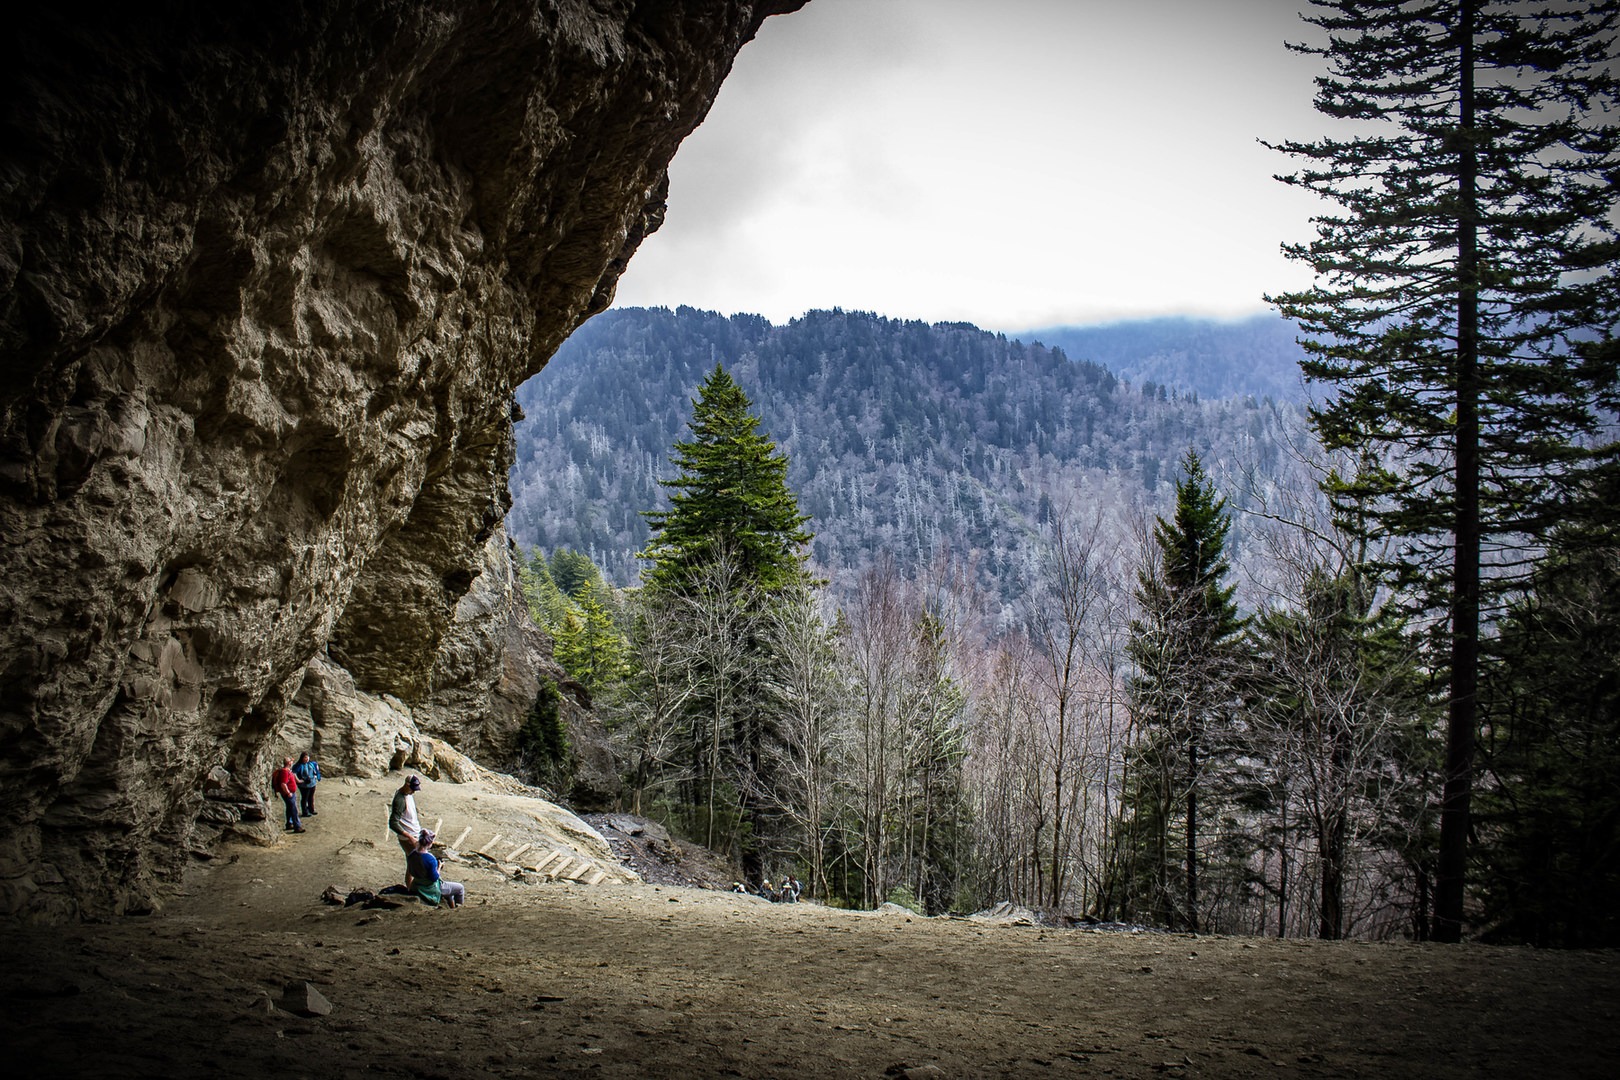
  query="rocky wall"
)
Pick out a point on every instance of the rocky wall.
point(269, 275)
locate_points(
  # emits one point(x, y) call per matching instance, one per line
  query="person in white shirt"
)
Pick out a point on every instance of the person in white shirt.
point(402, 820)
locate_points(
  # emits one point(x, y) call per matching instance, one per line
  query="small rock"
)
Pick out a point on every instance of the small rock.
point(305, 1000)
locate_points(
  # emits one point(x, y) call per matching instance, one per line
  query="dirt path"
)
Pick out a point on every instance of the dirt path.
point(562, 979)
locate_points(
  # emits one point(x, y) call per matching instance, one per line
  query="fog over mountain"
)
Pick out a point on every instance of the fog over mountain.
point(1214, 358)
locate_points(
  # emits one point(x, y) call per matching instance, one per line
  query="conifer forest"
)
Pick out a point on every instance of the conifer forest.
point(935, 616)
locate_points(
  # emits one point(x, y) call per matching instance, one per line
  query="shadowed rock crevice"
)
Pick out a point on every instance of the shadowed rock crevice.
point(268, 278)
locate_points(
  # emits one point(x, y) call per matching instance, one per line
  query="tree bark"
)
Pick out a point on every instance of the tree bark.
point(1461, 714)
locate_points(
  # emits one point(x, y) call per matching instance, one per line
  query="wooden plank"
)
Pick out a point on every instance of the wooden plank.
point(511, 856)
point(562, 869)
point(463, 836)
point(596, 877)
point(541, 865)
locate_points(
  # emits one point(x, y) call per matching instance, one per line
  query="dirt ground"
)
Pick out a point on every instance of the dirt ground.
point(564, 979)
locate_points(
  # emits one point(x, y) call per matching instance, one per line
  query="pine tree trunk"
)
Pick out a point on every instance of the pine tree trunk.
point(1461, 718)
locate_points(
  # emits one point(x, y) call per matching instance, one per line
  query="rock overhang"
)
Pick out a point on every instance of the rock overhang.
point(270, 277)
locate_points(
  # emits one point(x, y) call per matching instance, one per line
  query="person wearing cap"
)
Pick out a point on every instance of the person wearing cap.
point(422, 876)
point(286, 785)
point(402, 820)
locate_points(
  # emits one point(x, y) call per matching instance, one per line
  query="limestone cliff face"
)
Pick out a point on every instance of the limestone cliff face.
point(268, 277)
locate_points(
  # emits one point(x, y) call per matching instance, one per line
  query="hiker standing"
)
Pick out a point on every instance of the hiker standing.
point(286, 785)
point(402, 819)
point(308, 774)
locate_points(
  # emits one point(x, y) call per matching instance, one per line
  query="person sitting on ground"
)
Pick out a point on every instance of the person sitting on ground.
point(422, 876)
point(308, 774)
point(286, 785)
point(402, 820)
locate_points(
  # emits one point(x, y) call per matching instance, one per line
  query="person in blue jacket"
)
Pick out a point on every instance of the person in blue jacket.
point(422, 876)
point(308, 774)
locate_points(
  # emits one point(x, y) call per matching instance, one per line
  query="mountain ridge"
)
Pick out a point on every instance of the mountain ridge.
point(902, 436)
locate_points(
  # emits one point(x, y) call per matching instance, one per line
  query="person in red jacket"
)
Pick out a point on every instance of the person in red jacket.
point(286, 785)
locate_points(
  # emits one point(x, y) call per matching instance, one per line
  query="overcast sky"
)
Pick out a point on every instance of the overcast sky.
point(1011, 163)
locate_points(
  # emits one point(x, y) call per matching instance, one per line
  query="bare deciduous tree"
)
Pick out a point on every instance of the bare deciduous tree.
point(811, 695)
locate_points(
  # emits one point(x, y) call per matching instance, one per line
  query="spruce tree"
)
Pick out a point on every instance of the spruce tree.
point(573, 571)
point(589, 646)
point(1182, 649)
point(1465, 302)
point(729, 547)
point(547, 604)
point(731, 495)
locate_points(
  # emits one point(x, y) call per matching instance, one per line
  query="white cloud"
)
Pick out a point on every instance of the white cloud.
point(1013, 164)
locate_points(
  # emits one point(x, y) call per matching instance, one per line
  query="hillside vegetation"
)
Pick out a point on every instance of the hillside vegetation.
point(903, 437)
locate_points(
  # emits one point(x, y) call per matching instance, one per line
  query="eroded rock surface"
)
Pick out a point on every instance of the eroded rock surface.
point(268, 277)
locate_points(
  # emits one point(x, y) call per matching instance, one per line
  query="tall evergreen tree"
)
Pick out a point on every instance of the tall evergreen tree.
point(589, 646)
point(731, 494)
point(1182, 648)
point(547, 604)
point(572, 571)
point(730, 546)
point(1466, 299)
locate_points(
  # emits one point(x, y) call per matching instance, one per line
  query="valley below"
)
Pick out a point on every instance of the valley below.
point(559, 978)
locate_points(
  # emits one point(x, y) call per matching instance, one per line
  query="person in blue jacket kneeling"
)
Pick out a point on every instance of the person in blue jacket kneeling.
point(422, 876)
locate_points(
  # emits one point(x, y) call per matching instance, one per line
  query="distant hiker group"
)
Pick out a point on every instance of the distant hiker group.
point(295, 783)
point(786, 891)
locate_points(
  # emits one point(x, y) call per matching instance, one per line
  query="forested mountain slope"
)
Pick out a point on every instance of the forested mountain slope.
point(902, 436)
point(1256, 356)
